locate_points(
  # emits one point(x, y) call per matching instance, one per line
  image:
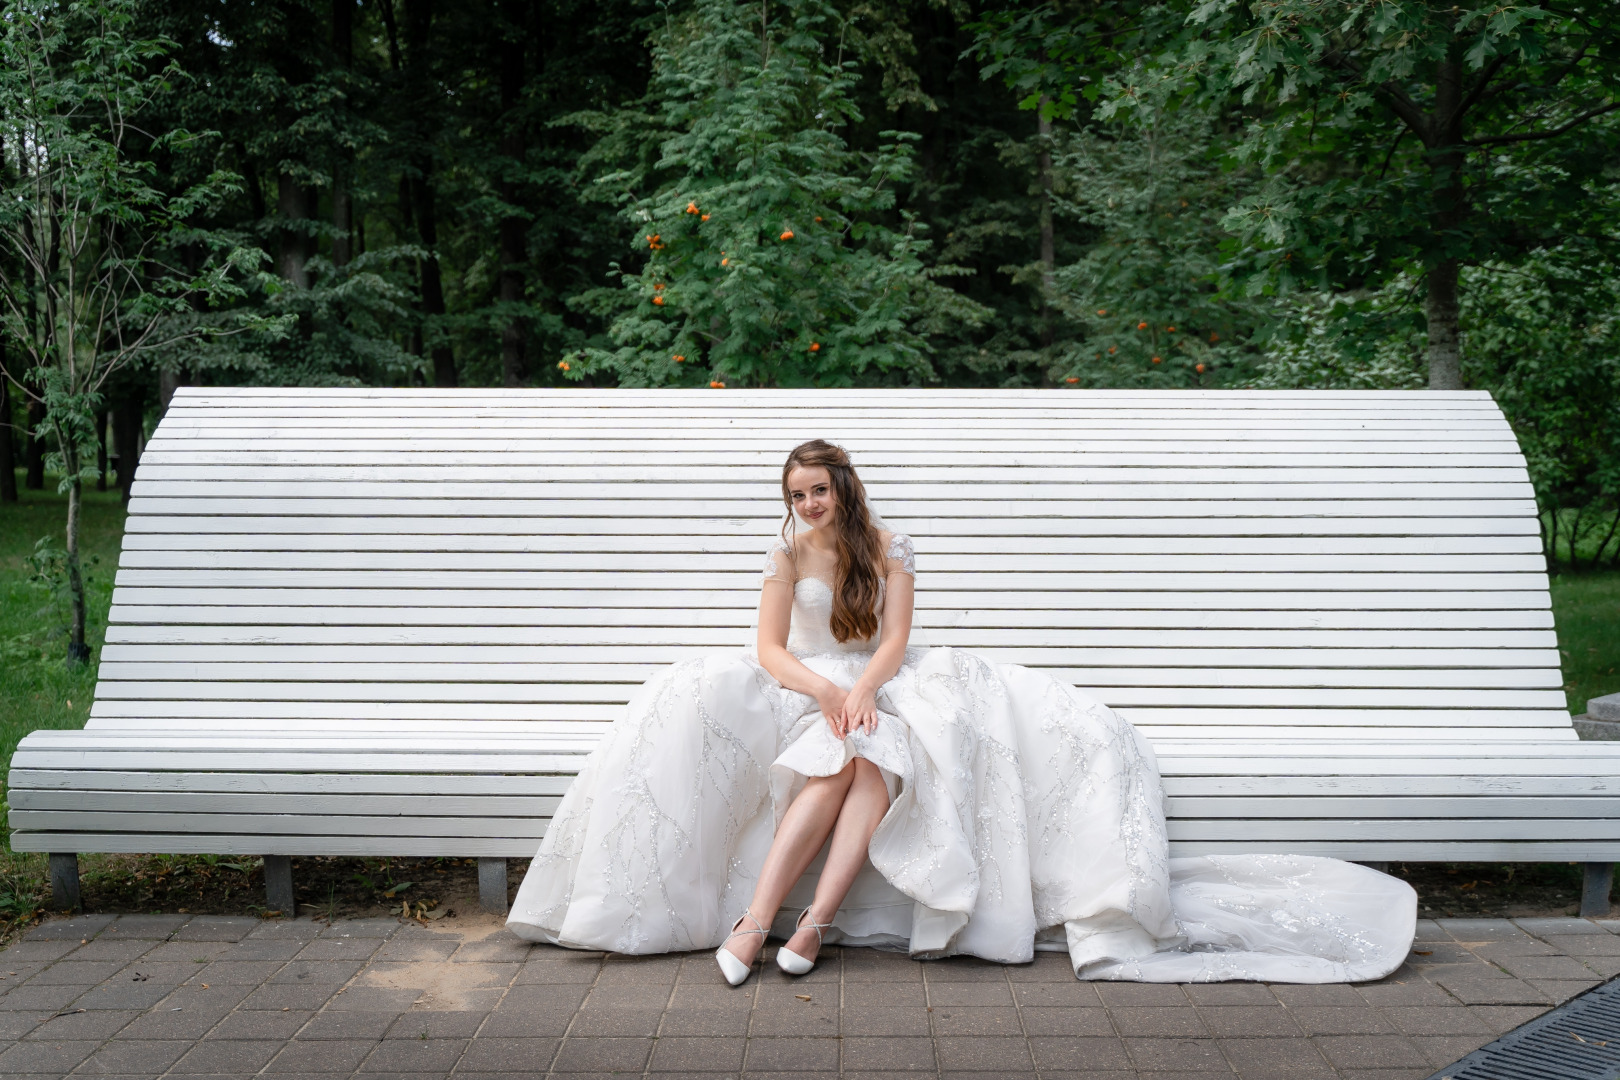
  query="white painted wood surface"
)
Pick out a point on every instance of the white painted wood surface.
point(359, 621)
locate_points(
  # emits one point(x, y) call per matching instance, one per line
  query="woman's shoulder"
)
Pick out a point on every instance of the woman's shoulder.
point(898, 551)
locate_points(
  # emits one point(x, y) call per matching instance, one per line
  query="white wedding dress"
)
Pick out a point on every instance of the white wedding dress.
point(1025, 815)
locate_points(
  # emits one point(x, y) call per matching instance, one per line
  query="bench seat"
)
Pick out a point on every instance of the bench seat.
point(371, 622)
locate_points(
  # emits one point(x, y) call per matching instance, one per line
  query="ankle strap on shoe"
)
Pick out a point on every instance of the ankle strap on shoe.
point(818, 927)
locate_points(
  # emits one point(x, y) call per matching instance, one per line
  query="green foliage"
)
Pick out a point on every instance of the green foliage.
point(771, 255)
point(1152, 192)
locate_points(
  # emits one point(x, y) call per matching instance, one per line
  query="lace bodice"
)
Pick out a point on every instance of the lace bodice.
point(810, 632)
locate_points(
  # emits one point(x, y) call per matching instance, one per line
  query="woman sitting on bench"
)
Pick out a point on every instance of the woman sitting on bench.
point(844, 785)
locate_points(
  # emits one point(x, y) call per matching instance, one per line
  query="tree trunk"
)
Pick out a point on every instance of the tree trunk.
point(513, 231)
point(1449, 210)
point(78, 652)
point(1440, 308)
point(8, 460)
point(1043, 164)
point(418, 26)
point(169, 380)
point(127, 437)
point(101, 449)
point(293, 206)
point(342, 201)
point(34, 446)
point(444, 363)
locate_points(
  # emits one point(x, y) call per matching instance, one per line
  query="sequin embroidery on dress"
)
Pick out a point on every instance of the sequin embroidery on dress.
point(1025, 815)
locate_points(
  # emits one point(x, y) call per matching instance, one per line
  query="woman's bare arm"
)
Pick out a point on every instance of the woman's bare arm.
point(860, 707)
point(775, 617)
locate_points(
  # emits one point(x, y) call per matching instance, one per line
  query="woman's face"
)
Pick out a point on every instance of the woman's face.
point(810, 489)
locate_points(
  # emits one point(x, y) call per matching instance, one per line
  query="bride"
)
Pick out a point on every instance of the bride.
point(843, 785)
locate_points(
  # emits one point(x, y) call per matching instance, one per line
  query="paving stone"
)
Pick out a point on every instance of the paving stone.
point(284, 929)
point(964, 969)
point(1274, 1059)
point(16, 1025)
point(805, 1020)
point(1248, 1021)
point(330, 972)
point(130, 995)
point(74, 929)
point(1361, 1020)
point(1046, 967)
point(1414, 993)
point(41, 951)
point(969, 993)
point(260, 1024)
point(882, 995)
point(131, 1056)
point(76, 973)
point(1604, 944)
point(887, 1054)
point(40, 998)
point(373, 999)
point(326, 1056)
point(413, 948)
point(1230, 993)
point(1475, 991)
point(363, 928)
point(165, 1024)
point(1372, 1051)
point(247, 972)
point(183, 952)
point(322, 949)
point(1429, 930)
point(1443, 1020)
point(1178, 1055)
point(347, 1025)
point(1331, 995)
point(427, 1024)
point(551, 971)
point(880, 1021)
point(110, 947)
point(1442, 1050)
point(1102, 1054)
point(91, 1024)
point(1480, 929)
point(1144, 994)
point(228, 1057)
point(1561, 990)
point(1056, 995)
point(289, 996)
point(713, 1023)
point(502, 948)
point(1543, 967)
point(1159, 1021)
point(150, 927)
point(414, 1055)
point(977, 1054)
point(786, 1055)
point(605, 1055)
point(45, 1056)
point(217, 928)
point(953, 1021)
point(1553, 927)
point(523, 1056)
point(699, 1055)
point(628, 997)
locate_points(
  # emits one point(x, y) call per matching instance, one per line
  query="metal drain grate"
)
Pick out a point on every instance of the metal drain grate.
point(1579, 1040)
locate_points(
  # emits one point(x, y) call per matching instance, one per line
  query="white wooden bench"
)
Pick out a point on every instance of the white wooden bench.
point(386, 622)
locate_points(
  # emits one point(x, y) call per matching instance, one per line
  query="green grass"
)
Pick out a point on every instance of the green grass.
point(38, 689)
point(1586, 609)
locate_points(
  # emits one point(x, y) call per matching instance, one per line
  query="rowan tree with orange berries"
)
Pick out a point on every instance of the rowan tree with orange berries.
point(768, 252)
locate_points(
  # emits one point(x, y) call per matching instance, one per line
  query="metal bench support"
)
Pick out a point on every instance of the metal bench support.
point(278, 885)
point(492, 885)
point(1598, 881)
point(65, 882)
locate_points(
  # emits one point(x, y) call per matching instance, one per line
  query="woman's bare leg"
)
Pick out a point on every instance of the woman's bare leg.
point(863, 810)
point(809, 819)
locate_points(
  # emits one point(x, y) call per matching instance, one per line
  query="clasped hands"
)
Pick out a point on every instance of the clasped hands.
point(848, 711)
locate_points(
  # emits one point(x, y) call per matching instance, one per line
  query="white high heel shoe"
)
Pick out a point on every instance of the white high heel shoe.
point(790, 961)
point(732, 968)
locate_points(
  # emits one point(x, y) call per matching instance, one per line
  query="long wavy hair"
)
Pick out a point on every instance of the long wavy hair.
point(859, 547)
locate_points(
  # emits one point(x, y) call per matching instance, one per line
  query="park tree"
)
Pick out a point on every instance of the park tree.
point(767, 251)
point(100, 268)
point(1398, 137)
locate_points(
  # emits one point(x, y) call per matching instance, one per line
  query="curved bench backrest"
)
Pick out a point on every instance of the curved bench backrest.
point(1269, 564)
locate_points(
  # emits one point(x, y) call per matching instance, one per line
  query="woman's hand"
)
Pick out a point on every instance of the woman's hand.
point(860, 709)
point(831, 698)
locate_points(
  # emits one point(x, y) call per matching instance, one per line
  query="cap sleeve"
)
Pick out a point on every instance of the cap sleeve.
point(779, 563)
point(900, 556)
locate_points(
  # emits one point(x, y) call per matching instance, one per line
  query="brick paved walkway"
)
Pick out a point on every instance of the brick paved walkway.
point(177, 996)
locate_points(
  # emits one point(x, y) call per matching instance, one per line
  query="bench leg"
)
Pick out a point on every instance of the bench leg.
point(278, 885)
point(492, 885)
point(1598, 880)
point(65, 882)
